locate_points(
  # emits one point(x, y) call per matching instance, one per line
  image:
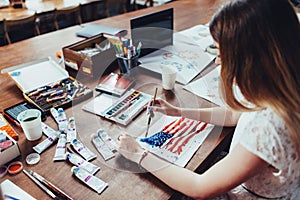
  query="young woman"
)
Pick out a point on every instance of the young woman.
point(259, 52)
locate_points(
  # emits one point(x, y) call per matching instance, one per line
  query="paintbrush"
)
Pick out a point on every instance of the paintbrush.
point(50, 185)
point(150, 115)
point(44, 188)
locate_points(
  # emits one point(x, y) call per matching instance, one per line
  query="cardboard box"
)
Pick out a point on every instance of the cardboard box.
point(93, 57)
point(10, 153)
point(46, 84)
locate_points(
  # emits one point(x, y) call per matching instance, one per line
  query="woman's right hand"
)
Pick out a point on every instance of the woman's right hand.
point(163, 106)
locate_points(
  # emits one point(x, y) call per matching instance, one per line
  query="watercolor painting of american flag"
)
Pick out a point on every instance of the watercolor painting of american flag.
point(176, 139)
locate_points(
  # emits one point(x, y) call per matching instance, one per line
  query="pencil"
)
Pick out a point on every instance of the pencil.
point(149, 118)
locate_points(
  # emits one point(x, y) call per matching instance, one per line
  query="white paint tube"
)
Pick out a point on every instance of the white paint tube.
point(39, 148)
point(60, 152)
point(60, 117)
point(85, 152)
point(107, 140)
point(48, 131)
point(80, 162)
point(102, 148)
point(62, 120)
point(92, 181)
point(71, 130)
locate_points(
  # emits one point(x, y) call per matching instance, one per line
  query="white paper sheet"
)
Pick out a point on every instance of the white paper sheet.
point(207, 87)
point(185, 141)
point(10, 189)
point(188, 54)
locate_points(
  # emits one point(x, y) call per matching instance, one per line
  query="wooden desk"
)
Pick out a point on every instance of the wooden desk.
point(39, 6)
point(122, 183)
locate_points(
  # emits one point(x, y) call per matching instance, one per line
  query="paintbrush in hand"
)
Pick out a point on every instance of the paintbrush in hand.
point(150, 112)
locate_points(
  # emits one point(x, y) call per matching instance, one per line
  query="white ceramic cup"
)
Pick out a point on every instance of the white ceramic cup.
point(31, 123)
point(168, 76)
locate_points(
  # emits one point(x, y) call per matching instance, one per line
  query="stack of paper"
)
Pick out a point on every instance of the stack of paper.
point(187, 54)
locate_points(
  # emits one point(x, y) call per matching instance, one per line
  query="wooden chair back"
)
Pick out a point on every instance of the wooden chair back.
point(115, 7)
point(66, 17)
point(20, 28)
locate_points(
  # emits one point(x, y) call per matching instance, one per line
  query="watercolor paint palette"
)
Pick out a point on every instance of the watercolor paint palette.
point(175, 139)
point(121, 110)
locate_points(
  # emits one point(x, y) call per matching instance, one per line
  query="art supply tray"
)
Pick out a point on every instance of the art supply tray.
point(92, 57)
point(46, 84)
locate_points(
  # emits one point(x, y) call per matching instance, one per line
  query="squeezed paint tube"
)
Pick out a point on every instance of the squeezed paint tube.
point(92, 181)
point(60, 152)
point(60, 117)
point(85, 152)
point(48, 131)
point(71, 130)
point(102, 147)
point(54, 114)
point(107, 140)
point(62, 120)
point(80, 162)
point(39, 148)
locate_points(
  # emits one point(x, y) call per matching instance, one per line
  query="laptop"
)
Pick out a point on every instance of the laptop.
point(154, 30)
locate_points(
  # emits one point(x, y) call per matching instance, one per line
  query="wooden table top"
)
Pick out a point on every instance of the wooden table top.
point(39, 6)
point(121, 175)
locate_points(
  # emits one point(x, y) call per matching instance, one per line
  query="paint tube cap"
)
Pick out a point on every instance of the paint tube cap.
point(74, 169)
point(33, 158)
point(15, 167)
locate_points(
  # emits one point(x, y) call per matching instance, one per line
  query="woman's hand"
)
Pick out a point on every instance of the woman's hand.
point(129, 148)
point(163, 106)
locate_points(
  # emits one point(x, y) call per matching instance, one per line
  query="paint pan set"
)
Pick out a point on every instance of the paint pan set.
point(119, 109)
point(131, 104)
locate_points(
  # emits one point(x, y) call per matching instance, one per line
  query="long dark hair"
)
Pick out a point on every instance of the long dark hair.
point(259, 43)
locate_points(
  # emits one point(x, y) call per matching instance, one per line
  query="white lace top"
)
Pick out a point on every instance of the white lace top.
point(264, 134)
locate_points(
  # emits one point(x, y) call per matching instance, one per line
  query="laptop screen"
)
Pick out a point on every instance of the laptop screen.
point(154, 30)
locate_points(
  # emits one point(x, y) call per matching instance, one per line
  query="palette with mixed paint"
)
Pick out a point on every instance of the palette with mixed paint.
point(178, 140)
point(127, 107)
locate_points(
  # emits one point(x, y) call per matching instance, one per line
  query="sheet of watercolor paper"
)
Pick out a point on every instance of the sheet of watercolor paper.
point(175, 139)
point(187, 54)
point(189, 60)
point(10, 190)
point(197, 35)
point(207, 87)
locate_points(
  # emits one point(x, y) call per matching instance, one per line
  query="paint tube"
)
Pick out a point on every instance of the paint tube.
point(92, 181)
point(54, 114)
point(102, 148)
point(48, 131)
point(60, 152)
point(85, 152)
point(62, 120)
point(71, 130)
point(107, 140)
point(80, 162)
point(39, 148)
point(60, 117)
